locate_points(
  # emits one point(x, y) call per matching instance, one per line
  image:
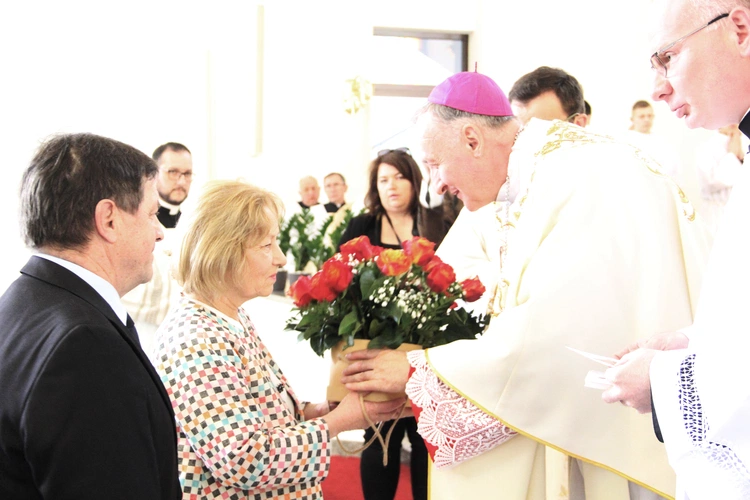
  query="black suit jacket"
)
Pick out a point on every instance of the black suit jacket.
point(83, 414)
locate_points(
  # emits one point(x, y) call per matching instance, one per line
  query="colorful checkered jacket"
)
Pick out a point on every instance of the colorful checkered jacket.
point(238, 438)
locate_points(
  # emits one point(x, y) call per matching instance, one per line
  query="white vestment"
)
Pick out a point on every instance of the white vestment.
point(701, 395)
point(585, 267)
point(659, 149)
point(717, 172)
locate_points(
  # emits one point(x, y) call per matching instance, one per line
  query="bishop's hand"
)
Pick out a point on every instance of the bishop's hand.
point(378, 370)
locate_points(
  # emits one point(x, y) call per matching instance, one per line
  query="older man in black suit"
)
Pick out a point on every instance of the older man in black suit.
point(82, 412)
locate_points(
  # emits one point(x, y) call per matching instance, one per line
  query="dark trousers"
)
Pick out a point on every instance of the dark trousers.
point(380, 483)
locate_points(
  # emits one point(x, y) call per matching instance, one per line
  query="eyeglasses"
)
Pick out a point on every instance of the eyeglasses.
point(660, 60)
point(571, 118)
point(174, 175)
point(397, 150)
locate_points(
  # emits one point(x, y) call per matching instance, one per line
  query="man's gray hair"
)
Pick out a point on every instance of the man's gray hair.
point(700, 9)
point(447, 114)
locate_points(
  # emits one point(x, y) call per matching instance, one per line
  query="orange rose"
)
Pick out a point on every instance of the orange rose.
point(421, 250)
point(300, 291)
point(473, 289)
point(393, 262)
point(337, 275)
point(440, 277)
point(359, 248)
point(320, 290)
point(435, 260)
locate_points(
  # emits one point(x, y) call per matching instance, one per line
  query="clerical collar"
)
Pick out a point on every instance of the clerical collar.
point(745, 124)
point(173, 209)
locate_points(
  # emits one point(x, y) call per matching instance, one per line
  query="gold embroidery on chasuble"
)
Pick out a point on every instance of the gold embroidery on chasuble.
point(561, 135)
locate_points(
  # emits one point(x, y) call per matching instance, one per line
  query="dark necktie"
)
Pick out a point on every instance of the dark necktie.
point(745, 125)
point(133, 332)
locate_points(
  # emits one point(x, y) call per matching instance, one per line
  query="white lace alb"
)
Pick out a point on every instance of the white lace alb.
point(455, 427)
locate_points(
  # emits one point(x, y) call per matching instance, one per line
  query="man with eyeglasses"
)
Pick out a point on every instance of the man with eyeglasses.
point(696, 380)
point(173, 182)
point(150, 302)
point(335, 187)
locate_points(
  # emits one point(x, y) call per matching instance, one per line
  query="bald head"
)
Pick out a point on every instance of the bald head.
point(309, 190)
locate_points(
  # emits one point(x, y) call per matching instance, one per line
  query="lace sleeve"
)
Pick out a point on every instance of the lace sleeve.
point(452, 427)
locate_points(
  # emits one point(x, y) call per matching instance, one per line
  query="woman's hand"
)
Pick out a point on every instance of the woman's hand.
point(348, 414)
point(377, 370)
point(316, 410)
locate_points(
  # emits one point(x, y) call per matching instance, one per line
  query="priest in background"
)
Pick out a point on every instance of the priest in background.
point(578, 265)
point(149, 303)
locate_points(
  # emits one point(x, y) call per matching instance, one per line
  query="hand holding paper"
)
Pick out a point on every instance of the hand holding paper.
point(596, 379)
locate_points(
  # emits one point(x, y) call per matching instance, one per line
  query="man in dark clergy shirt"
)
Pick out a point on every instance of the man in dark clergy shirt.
point(173, 182)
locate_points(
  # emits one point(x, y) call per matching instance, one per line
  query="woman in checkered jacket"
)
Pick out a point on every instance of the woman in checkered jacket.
point(242, 431)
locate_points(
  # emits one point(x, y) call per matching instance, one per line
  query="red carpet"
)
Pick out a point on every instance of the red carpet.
point(343, 481)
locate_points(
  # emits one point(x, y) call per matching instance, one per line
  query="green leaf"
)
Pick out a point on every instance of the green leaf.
point(389, 338)
point(394, 311)
point(349, 324)
point(366, 281)
point(306, 320)
point(376, 327)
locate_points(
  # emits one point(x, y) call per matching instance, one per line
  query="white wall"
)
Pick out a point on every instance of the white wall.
point(146, 73)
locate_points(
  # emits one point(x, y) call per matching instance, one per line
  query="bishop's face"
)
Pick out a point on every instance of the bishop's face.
point(456, 166)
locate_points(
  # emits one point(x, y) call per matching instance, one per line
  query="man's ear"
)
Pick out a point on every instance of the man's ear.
point(106, 220)
point(581, 120)
point(740, 19)
point(472, 139)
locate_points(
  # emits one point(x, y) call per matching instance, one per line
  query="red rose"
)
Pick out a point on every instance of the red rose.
point(300, 291)
point(440, 277)
point(359, 248)
point(320, 290)
point(337, 274)
point(473, 289)
point(435, 260)
point(421, 250)
point(393, 262)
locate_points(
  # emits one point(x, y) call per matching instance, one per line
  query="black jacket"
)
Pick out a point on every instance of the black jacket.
point(83, 414)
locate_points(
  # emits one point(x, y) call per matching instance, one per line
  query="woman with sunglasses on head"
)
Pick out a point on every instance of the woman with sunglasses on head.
point(393, 216)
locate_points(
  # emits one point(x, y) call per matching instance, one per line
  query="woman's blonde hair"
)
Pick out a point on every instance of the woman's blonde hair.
point(230, 217)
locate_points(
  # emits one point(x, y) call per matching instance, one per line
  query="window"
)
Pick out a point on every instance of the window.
point(407, 66)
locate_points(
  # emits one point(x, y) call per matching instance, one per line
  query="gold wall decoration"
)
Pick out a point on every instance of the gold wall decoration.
point(358, 93)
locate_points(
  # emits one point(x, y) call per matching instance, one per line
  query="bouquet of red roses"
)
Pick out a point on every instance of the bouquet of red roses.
point(388, 297)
